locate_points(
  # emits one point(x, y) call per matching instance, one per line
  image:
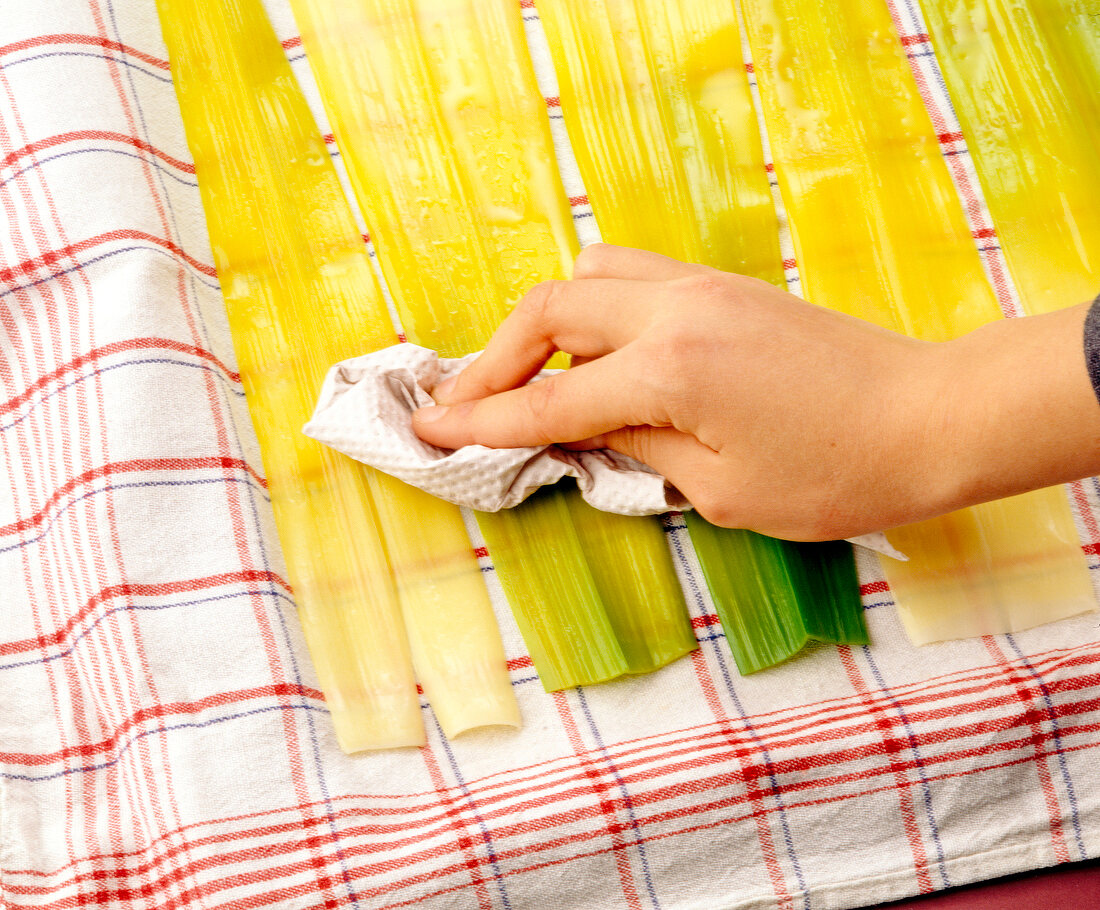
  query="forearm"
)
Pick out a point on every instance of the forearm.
point(1018, 411)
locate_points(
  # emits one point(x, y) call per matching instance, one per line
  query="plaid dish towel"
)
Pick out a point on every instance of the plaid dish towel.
point(163, 741)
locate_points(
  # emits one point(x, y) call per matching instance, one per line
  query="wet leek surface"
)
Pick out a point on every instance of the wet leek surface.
point(657, 104)
point(660, 117)
point(879, 233)
point(300, 295)
point(1024, 79)
point(445, 136)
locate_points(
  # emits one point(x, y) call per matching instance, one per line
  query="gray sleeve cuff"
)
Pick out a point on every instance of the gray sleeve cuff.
point(1092, 345)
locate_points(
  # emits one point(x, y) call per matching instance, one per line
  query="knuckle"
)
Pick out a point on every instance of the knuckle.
point(591, 262)
point(541, 400)
point(679, 338)
point(635, 442)
point(538, 303)
point(702, 286)
point(669, 354)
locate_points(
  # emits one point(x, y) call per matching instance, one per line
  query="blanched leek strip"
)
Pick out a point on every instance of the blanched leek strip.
point(650, 623)
point(1024, 79)
point(1002, 567)
point(444, 135)
point(453, 634)
point(300, 294)
point(445, 138)
point(245, 127)
point(662, 125)
point(766, 622)
point(661, 121)
point(879, 233)
point(828, 577)
point(569, 636)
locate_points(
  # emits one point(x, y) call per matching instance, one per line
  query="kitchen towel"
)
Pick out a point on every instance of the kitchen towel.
point(163, 739)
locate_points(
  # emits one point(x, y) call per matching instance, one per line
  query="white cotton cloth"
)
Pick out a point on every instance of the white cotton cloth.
point(163, 735)
point(365, 411)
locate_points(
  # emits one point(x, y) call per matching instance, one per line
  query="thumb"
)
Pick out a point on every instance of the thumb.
point(576, 404)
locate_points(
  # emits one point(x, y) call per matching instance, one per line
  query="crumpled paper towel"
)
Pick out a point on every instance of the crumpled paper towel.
point(365, 411)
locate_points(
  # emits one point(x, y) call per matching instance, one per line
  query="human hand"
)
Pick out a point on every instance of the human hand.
point(767, 412)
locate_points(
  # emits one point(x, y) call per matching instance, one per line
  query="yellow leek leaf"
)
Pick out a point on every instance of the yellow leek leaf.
point(1024, 79)
point(444, 135)
point(659, 114)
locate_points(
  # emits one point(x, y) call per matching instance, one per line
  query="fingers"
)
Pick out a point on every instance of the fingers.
point(604, 260)
point(607, 309)
point(582, 402)
point(588, 318)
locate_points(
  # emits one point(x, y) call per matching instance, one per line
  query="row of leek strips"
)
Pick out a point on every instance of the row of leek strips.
point(445, 138)
point(300, 295)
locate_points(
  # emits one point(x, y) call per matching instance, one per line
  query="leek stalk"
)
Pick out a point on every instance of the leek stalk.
point(766, 622)
point(570, 639)
point(643, 602)
point(660, 117)
point(1024, 79)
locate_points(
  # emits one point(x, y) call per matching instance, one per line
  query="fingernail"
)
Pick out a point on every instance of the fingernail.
point(443, 391)
point(431, 414)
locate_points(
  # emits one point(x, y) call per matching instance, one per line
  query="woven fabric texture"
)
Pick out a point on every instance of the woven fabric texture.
point(163, 741)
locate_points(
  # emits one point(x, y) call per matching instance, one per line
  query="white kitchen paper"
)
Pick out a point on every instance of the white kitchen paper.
point(365, 411)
